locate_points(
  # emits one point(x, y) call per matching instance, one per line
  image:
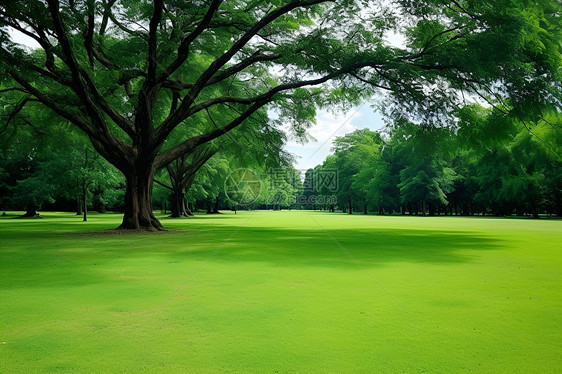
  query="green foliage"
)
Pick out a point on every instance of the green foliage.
point(143, 80)
point(487, 162)
point(44, 161)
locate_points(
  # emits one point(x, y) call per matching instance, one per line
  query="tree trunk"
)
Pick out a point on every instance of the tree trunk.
point(535, 212)
point(78, 206)
point(187, 208)
point(138, 205)
point(84, 190)
point(431, 209)
point(182, 175)
point(31, 210)
point(216, 208)
point(350, 209)
point(179, 205)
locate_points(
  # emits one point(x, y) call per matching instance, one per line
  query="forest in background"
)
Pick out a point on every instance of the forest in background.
point(135, 106)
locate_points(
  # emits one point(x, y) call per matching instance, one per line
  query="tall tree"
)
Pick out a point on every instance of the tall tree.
point(129, 74)
point(354, 152)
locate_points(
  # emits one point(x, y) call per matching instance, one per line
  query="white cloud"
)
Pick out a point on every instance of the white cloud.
point(329, 126)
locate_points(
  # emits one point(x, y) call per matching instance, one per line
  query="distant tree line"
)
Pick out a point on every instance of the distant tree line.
point(485, 163)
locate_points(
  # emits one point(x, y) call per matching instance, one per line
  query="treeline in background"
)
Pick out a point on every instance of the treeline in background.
point(486, 163)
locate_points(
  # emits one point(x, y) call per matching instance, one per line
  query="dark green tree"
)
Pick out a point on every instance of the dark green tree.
point(129, 74)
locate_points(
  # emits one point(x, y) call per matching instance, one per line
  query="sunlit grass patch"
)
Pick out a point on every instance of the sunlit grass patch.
point(281, 292)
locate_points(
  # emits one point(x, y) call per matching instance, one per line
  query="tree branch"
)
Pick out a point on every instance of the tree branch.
point(370, 83)
point(183, 49)
point(113, 149)
point(471, 15)
point(162, 184)
point(258, 102)
point(105, 19)
point(89, 38)
point(226, 133)
point(75, 118)
point(40, 38)
point(79, 84)
point(14, 112)
point(167, 126)
point(177, 85)
point(203, 80)
point(83, 84)
point(152, 42)
point(188, 145)
point(123, 27)
point(14, 89)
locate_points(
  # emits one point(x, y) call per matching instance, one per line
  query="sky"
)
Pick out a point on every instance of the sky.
point(329, 126)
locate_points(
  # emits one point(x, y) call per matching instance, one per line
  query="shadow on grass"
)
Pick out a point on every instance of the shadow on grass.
point(285, 247)
point(77, 258)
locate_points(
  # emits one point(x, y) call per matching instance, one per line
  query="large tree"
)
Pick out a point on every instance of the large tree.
point(131, 73)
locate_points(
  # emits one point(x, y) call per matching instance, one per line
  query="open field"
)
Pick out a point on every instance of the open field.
point(269, 292)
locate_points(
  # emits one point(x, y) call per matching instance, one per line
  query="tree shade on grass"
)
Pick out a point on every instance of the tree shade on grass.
point(281, 292)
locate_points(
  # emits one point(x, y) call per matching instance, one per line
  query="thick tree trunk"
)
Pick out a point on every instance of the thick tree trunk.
point(350, 208)
point(31, 210)
point(138, 205)
point(179, 206)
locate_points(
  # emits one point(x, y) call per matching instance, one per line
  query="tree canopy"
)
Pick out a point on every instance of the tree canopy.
point(484, 163)
point(136, 77)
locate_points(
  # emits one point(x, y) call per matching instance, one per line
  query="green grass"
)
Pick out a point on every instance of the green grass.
point(267, 292)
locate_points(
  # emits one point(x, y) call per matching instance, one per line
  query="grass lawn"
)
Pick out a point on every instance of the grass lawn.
point(268, 292)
